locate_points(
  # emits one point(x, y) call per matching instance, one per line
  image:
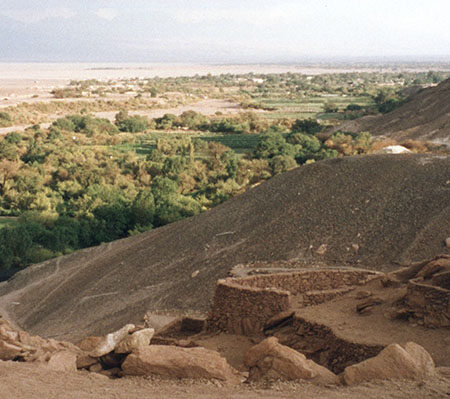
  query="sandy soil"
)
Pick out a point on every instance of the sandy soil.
point(206, 107)
point(30, 381)
point(67, 71)
point(19, 82)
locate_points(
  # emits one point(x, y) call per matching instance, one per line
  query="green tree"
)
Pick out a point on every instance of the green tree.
point(309, 126)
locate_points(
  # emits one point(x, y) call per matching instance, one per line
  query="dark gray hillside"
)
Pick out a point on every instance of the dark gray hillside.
point(395, 208)
point(426, 116)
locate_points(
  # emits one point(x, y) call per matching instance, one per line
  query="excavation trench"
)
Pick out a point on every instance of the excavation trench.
point(259, 306)
point(319, 343)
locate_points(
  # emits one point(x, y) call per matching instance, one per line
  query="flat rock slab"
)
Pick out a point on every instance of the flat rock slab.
point(271, 360)
point(176, 362)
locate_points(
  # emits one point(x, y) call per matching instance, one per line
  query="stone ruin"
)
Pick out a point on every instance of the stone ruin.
point(244, 305)
point(428, 292)
point(253, 306)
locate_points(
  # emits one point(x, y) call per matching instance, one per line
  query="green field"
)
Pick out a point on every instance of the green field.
point(239, 143)
point(309, 107)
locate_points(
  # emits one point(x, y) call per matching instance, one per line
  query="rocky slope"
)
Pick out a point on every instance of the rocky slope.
point(426, 116)
point(374, 212)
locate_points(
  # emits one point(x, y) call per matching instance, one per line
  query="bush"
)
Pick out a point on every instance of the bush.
point(167, 121)
point(13, 138)
point(271, 145)
point(282, 163)
point(5, 119)
point(134, 124)
point(330, 107)
point(310, 126)
point(353, 107)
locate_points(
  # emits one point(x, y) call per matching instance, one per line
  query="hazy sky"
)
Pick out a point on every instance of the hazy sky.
point(221, 30)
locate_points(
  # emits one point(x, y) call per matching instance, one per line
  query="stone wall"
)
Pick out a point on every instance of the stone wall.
point(244, 310)
point(429, 303)
point(243, 305)
point(309, 280)
point(319, 343)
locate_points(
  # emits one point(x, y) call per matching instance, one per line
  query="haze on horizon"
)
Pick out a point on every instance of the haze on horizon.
point(226, 31)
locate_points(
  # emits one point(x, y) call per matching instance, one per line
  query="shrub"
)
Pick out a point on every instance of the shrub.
point(310, 126)
point(5, 119)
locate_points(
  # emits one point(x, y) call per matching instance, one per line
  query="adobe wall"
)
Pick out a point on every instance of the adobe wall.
point(243, 305)
point(429, 303)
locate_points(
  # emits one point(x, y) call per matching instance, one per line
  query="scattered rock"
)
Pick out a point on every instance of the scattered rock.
point(9, 351)
point(88, 344)
point(366, 306)
point(112, 373)
point(176, 362)
point(185, 343)
point(435, 266)
point(96, 368)
point(63, 361)
point(85, 361)
point(195, 274)
point(447, 242)
point(321, 250)
point(393, 362)
point(355, 248)
point(134, 341)
point(363, 294)
point(19, 345)
point(390, 281)
point(271, 360)
point(394, 149)
point(99, 347)
point(401, 314)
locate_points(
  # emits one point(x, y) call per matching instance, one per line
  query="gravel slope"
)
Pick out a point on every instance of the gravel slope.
point(395, 208)
point(426, 116)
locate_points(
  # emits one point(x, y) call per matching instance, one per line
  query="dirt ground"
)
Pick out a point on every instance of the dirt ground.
point(31, 381)
point(205, 107)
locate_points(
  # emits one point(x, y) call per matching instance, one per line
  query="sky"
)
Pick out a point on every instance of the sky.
point(222, 31)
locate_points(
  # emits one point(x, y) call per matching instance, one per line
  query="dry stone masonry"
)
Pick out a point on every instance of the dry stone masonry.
point(244, 305)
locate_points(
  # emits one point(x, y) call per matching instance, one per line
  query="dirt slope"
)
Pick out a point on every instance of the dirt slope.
point(426, 116)
point(395, 208)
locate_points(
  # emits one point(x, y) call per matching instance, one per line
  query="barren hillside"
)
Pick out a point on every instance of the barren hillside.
point(373, 212)
point(426, 116)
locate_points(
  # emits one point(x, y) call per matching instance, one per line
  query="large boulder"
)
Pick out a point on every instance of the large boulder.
point(393, 362)
point(134, 341)
point(62, 361)
point(271, 360)
point(99, 346)
point(176, 362)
